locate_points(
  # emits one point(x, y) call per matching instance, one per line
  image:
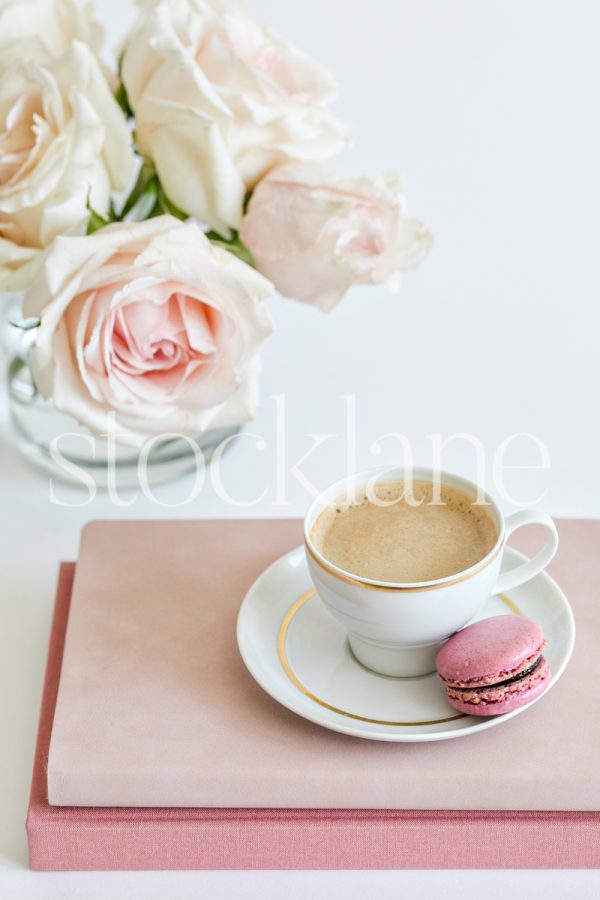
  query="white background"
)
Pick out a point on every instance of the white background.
point(490, 110)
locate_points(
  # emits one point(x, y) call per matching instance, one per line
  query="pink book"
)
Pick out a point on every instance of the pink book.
point(267, 789)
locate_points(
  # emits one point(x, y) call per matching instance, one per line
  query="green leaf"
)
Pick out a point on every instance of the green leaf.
point(95, 221)
point(215, 238)
point(123, 100)
point(168, 207)
point(146, 177)
point(233, 245)
point(121, 94)
point(146, 206)
point(148, 198)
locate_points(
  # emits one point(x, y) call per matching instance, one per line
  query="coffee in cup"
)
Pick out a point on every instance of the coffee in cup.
point(404, 532)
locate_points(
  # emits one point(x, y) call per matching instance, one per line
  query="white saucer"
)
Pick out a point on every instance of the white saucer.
point(300, 655)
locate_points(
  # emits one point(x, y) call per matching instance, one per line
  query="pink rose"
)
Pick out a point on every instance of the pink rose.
point(63, 142)
point(314, 236)
point(219, 100)
point(152, 322)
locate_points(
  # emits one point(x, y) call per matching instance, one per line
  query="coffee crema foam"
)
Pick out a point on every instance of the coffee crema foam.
point(396, 540)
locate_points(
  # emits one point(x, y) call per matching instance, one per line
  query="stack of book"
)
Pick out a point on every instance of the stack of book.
point(157, 750)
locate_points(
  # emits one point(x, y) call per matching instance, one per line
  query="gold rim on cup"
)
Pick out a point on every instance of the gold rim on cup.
point(411, 588)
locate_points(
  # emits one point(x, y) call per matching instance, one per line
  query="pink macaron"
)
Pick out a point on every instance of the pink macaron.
point(494, 666)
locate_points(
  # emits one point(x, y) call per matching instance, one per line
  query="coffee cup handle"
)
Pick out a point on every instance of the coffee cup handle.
point(527, 570)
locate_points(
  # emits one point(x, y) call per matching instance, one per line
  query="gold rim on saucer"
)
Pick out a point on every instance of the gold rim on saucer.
point(342, 712)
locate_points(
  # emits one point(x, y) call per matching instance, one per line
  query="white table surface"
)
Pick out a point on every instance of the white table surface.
point(490, 110)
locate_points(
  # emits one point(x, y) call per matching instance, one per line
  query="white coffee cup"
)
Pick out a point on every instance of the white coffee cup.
point(397, 629)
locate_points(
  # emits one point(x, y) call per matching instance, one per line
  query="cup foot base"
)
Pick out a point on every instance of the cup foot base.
point(399, 662)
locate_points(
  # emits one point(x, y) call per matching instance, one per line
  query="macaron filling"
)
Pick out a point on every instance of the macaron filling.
point(502, 696)
point(497, 684)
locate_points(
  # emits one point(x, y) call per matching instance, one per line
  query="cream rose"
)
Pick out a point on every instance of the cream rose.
point(45, 29)
point(314, 235)
point(151, 322)
point(219, 100)
point(63, 138)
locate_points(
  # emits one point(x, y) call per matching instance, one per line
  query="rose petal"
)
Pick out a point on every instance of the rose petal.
point(162, 353)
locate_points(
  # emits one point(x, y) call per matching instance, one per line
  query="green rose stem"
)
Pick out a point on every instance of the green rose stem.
point(234, 245)
point(148, 200)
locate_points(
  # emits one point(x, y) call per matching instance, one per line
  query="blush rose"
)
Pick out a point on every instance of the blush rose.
point(64, 142)
point(219, 100)
point(315, 235)
point(151, 323)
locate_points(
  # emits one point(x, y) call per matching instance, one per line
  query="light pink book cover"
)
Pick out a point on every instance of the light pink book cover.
point(156, 708)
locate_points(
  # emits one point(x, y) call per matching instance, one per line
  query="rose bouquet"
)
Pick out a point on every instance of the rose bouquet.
point(147, 213)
